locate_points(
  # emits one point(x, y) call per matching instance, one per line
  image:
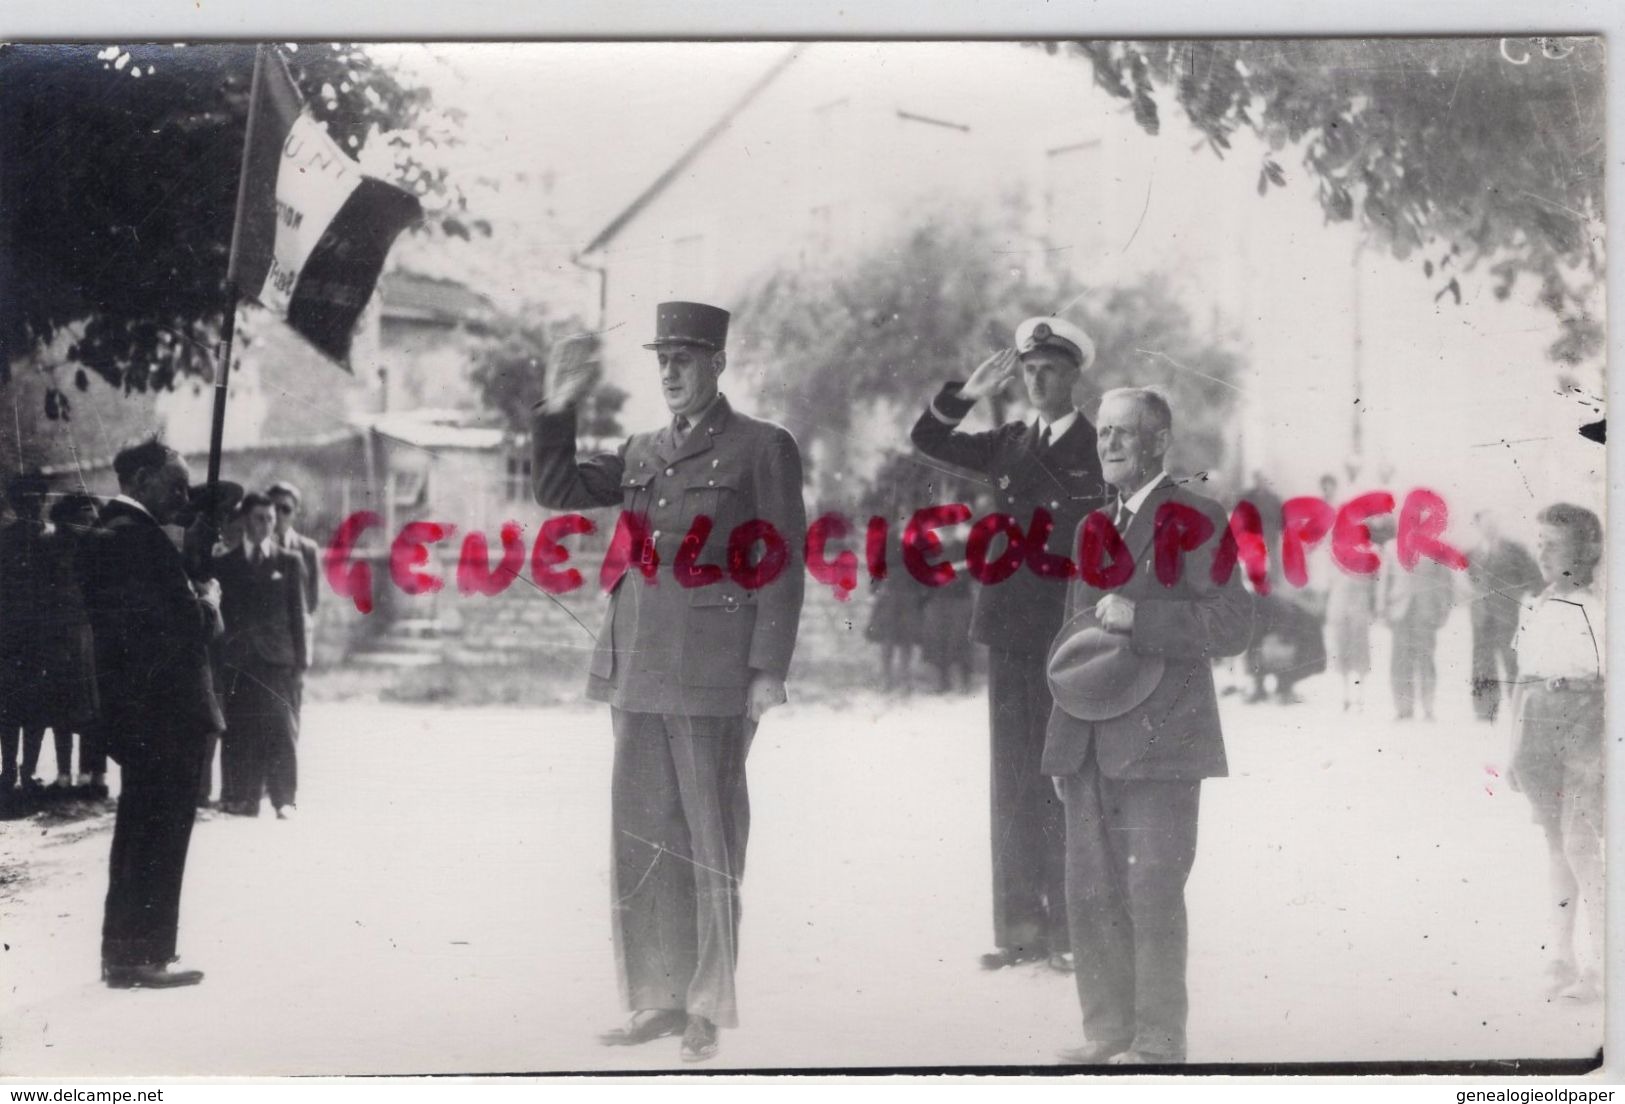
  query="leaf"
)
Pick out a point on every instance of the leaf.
point(1453, 288)
point(1427, 268)
point(80, 380)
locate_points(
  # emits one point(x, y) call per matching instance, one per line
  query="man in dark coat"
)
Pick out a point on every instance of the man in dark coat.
point(1131, 781)
point(263, 658)
point(152, 628)
point(289, 502)
point(1047, 477)
point(689, 658)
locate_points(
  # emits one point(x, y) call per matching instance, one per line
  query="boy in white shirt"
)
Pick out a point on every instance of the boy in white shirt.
point(1557, 750)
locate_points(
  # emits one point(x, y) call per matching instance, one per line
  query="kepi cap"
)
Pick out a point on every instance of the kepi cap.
point(678, 323)
point(1049, 332)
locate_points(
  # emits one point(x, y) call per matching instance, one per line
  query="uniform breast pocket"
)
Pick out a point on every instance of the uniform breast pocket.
point(718, 497)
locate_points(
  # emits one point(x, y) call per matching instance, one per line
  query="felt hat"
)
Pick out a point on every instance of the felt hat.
point(1096, 675)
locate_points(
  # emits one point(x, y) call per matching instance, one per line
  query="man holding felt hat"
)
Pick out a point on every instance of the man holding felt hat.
point(1045, 476)
point(1134, 730)
point(694, 648)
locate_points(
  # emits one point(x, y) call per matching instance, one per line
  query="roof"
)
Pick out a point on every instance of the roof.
point(687, 157)
point(432, 299)
point(431, 428)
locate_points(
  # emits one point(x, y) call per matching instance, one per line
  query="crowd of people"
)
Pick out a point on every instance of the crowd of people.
point(48, 655)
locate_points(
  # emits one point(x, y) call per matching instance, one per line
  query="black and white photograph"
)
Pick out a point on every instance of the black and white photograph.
point(1113, 529)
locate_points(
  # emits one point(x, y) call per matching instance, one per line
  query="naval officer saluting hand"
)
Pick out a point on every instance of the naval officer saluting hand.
point(688, 661)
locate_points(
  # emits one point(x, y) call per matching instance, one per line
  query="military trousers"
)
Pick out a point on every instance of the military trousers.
point(680, 817)
point(1129, 850)
point(1029, 835)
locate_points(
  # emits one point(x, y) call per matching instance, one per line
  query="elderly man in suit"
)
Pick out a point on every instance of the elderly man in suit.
point(1134, 731)
point(263, 659)
point(689, 658)
point(1047, 477)
point(152, 628)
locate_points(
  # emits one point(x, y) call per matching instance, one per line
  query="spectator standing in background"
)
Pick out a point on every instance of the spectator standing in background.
point(67, 650)
point(1501, 573)
point(1557, 750)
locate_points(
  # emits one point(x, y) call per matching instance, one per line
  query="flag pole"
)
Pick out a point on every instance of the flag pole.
point(228, 326)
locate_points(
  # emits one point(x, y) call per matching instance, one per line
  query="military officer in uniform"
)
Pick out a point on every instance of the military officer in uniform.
point(694, 648)
point(1047, 477)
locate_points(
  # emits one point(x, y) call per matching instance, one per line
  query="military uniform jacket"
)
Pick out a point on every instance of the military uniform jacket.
point(1174, 735)
point(1021, 613)
point(263, 605)
point(664, 647)
point(151, 631)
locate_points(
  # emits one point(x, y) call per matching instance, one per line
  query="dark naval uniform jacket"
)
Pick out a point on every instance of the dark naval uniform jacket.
point(665, 647)
point(1174, 735)
point(1023, 612)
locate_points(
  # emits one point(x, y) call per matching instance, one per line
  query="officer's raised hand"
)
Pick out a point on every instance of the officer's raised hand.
point(572, 370)
point(992, 375)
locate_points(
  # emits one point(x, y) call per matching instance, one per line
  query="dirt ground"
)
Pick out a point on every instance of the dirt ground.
point(1364, 891)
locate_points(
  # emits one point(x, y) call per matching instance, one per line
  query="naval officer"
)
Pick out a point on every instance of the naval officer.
point(1046, 475)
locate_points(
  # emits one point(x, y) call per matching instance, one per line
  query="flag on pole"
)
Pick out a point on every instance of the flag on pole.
point(312, 229)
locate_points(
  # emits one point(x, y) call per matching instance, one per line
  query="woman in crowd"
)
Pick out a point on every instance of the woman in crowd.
point(1557, 751)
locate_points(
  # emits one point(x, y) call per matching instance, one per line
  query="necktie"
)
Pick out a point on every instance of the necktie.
point(679, 429)
point(1124, 516)
point(1043, 438)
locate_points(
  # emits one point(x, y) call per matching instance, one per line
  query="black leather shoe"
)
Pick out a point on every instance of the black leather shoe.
point(150, 976)
point(1144, 1058)
point(1091, 1054)
point(645, 1027)
point(699, 1040)
point(1009, 956)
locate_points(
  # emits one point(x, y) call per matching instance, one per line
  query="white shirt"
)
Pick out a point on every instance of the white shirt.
point(264, 548)
point(128, 501)
point(1560, 635)
point(1057, 428)
point(1137, 499)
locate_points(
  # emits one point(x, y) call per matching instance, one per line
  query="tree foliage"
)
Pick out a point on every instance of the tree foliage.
point(1461, 153)
point(888, 328)
point(118, 184)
